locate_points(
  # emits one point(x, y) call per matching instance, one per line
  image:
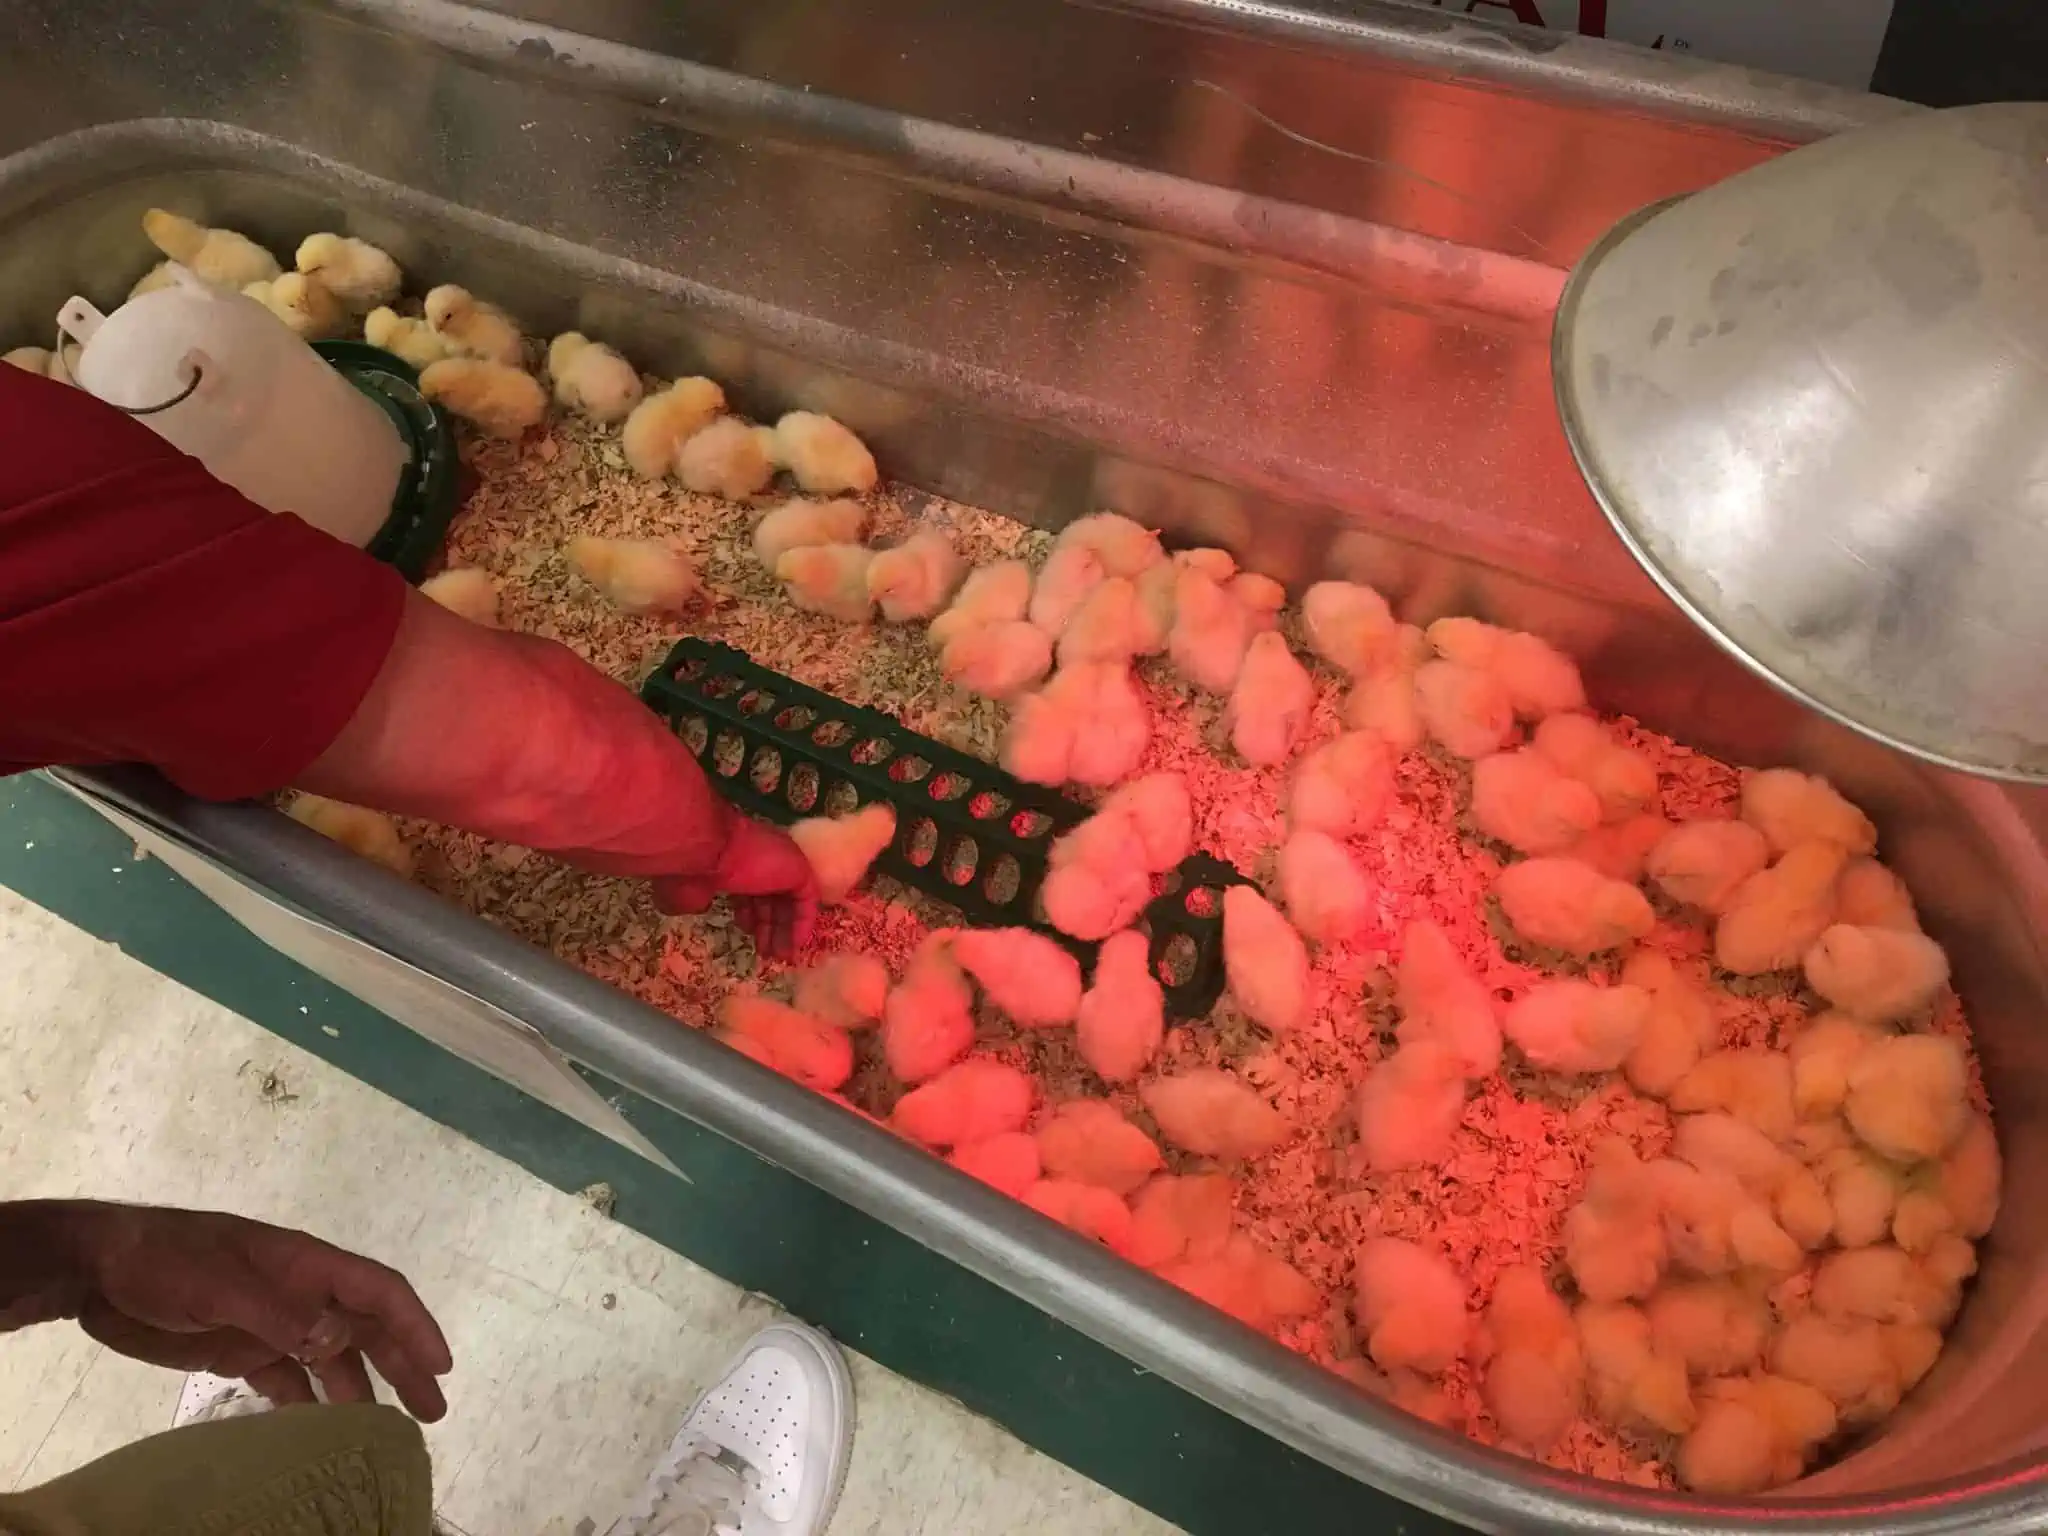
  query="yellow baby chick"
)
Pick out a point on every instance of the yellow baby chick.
point(1753, 1433)
point(1753, 1084)
point(660, 424)
point(1907, 1096)
point(466, 590)
point(1260, 596)
point(992, 594)
point(354, 271)
point(794, 1044)
point(1122, 1018)
point(1678, 1028)
point(998, 661)
point(1070, 573)
point(1327, 895)
point(1159, 809)
point(636, 575)
point(475, 328)
point(1271, 703)
point(1110, 625)
point(825, 458)
point(1464, 710)
point(915, 579)
point(1037, 746)
point(302, 303)
point(1090, 1142)
point(1885, 974)
point(1623, 778)
point(592, 379)
point(928, 1022)
point(1851, 1363)
point(1614, 1238)
point(1097, 882)
point(1715, 1141)
point(1347, 625)
point(828, 579)
point(1410, 1306)
point(1441, 998)
point(1535, 1373)
point(1572, 1026)
point(1867, 895)
point(497, 400)
point(970, 1101)
point(1717, 1327)
point(1008, 1162)
point(1156, 606)
point(1265, 961)
point(219, 256)
point(1822, 1054)
point(1112, 725)
point(1778, 914)
point(1408, 1109)
point(801, 524)
point(848, 990)
point(1970, 1178)
point(1885, 1284)
point(412, 341)
point(1343, 787)
point(1031, 980)
point(1120, 545)
point(370, 834)
point(1208, 1112)
point(1211, 631)
point(728, 458)
point(1563, 904)
point(1790, 807)
point(1524, 800)
point(840, 848)
point(160, 276)
point(1703, 863)
point(1383, 704)
point(1633, 1387)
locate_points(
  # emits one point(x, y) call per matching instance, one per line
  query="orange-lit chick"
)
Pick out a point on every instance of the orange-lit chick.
point(1155, 589)
point(1410, 1306)
point(1211, 631)
point(1210, 1113)
point(1097, 883)
point(1790, 808)
point(497, 400)
point(1176, 1217)
point(660, 424)
point(1867, 895)
point(1614, 1238)
point(636, 575)
point(1271, 703)
point(1259, 1289)
point(1778, 914)
point(1265, 961)
point(1822, 1054)
point(1409, 1107)
point(1261, 597)
point(1565, 905)
point(1070, 573)
point(1162, 813)
point(1347, 625)
point(969, 1101)
point(1441, 998)
point(369, 834)
point(1464, 710)
point(1008, 1162)
point(1678, 1028)
point(1753, 1084)
point(794, 1044)
point(1090, 1141)
point(802, 524)
point(1383, 702)
point(219, 256)
point(1632, 1386)
point(355, 271)
point(1703, 863)
point(1122, 1018)
point(1908, 1096)
point(928, 1022)
point(1717, 1327)
point(1124, 547)
point(1851, 1363)
point(1343, 787)
point(991, 594)
point(1088, 1209)
point(1000, 661)
point(1620, 849)
point(828, 579)
point(1032, 981)
point(467, 590)
point(475, 328)
point(1572, 1026)
point(849, 990)
point(1885, 974)
point(1623, 778)
point(825, 457)
point(841, 848)
point(1535, 1373)
point(411, 341)
point(728, 458)
point(1112, 725)
point(1327, 895)
point(915, 579)
point(1753, 1433)
point(1110, 625)
point(1524, 800)
point(591, 379)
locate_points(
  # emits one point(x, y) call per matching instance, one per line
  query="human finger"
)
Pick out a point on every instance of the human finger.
point(418, 1389)
point(384, 1299)
point(284, 1382)
point(345, 1379)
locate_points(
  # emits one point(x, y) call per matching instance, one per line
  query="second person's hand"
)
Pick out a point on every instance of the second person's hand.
point(773, 889)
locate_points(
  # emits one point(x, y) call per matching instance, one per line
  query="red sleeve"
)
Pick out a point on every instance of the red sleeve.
point(149, 613)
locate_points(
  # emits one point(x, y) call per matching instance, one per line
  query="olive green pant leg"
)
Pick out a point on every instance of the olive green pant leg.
point(357, 1469)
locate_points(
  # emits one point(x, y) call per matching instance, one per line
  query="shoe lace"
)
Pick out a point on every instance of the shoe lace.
point(704, 1494)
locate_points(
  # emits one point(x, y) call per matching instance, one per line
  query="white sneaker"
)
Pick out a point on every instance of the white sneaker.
point(764, 1451)
point(206, 1396)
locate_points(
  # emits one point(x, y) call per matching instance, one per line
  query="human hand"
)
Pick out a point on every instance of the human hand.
point(204, 1291)
point(773, 889)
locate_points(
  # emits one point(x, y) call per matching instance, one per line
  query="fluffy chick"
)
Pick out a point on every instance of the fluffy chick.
point(476, 329)
point(1033, 981)
point(1112, 725)
point(1678, 1028)
point(1623, 778)
point(636, 575)
point(1614, 1239)
point(1790, 808)
point(1070, 573)
point(801, 524)
point(1716, 1327)
point(1715, 1141)
point(848, 990)
point(1090, 1141)
point(1265, 961)
point(369, 834)
point(1863, 1193)
point(915, 579)
point(970, 1101)
point(1410, 1306)
point(1633, 1387)
point(999, 660)
point(1573, 1026)
point(1176, 1217)
point(1885, 1284)
point(303, 304)
point(592, 379)
point(1716, 1227)
point(1754, 1085)
point(1271, 703)
point(219, 256)
point(828, 579)
point(1259, 1289)
point(1753, 1432)
point(841, 848)
point(498, 400)
point(1096, 884)
point(1886, 974)
point(1384, 703)
point(1343, 787)
point(1851, 1363)
point(1565, 905)
point(1907, 1096)
point(660, 424)
point(1210, 1113)
point(1465, 711)
point(355, 271)
point(1535, 1372)
point(1540, 680)
point(1619, 849)
point(1408, 1109)
point(728, 458)
point(1822, 1054)
point(1348, 625)
point(1326, 893)
point(466, 590)
point(825, 458)
point(991, 594)
point(928, 1022)
point(1442, 999)
point(1524, 800)
point(1109, 625)
point(1161, 812)
point(1867, 895)
point(792, 1043)
point(1122, 1019)
point(1778, 914)
point(1211, 631)
point(1704, 863)
point(411, 341)
point(1970, 1177)
point(1008, 1162)
point(1088, 1209)
point(1124, 547)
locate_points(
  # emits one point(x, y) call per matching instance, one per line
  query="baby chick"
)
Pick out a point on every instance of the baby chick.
point(1070, 573)
point(848, 990)
point(828, 579)
point(1383, 704)
point(727, 458)
point(35, 360)
point(968, 1102)
point(1097, 883)
point(466, 590)
point(1208, 1112)
point(1033, 981)
point(1753, 1432)
point(353, 270)
point(1633, 1387)
point(1326, 894)
point(1265, 961)
point(1535, 1373)
point(1563, 904)
point(1090, 1142)
point(162, 275)
point(1343, 787)
point(1110, 625)
point(636, 575)
point(1717, 1327)
point(825, 458)
point(1907, 1096)
point(1677, 1029)
point(591, 379)
point(1822, 1054)
point(928, 1022)
point(1261, 596)
point(1849, 1362)
point(1122, 1018)
point(792, 1043)
point(991, 594)
point(916, 578)
point(1623, 778)
point(1037, 746)
point(1112, 725)
point(370, 834)
point(1703, 863)
point(1259, 1289)
point(1088, 1209)
point(1410, 1306)
point(1124, 547)
point(1008, 1162)
point(1752, 1084)
point(1614, 1238)
point(1271, 703)
point(660, 424)
point(1884, 974)
point(302, 303)
point(1573, 1026)
point(801, 524)
point(1777, 914)
point(1347, 625)
point(475, 328)
point(1524, 800)
point(1211, 630)
point(1885, 1284)
point(1867, 895)
point(998, 661)
point(219, 256)
point(1441, 999)
point(1465, 711)
point(411, 341)
point(1409, 1107)
point(1790, 807)
point(1620, 849)
point(840, 848)
point(1180, 1217)
point(1161, 812)
point(497, 400)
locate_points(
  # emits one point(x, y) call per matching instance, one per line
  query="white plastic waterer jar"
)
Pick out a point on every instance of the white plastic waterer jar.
point(217, 375)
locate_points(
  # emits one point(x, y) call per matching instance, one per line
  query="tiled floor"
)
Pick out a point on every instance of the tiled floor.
point(578, 1343)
